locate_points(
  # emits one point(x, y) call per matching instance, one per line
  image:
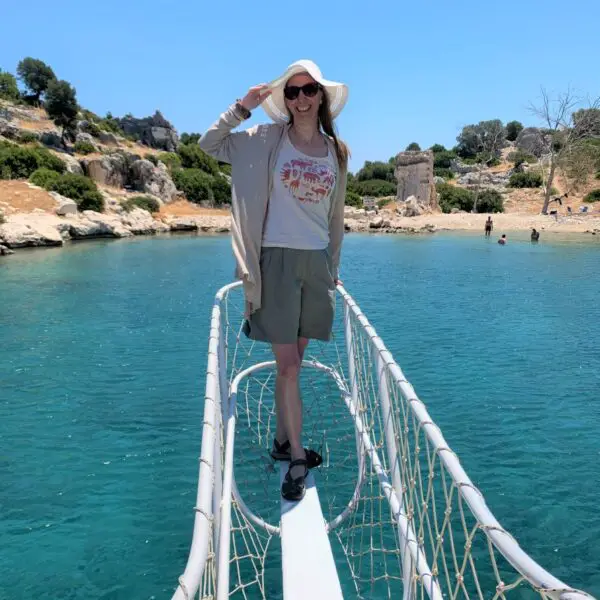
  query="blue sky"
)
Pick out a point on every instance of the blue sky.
point(417, 71)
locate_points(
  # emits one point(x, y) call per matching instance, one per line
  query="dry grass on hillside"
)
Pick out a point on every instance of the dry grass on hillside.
point(182, 208)
point(21, 198)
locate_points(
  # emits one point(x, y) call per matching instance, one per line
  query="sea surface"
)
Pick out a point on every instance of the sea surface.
point(102, 357)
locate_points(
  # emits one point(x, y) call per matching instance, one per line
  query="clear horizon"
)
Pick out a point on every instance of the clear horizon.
point(416, 73)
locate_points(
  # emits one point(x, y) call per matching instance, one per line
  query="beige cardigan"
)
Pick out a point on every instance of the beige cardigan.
point(253, 155)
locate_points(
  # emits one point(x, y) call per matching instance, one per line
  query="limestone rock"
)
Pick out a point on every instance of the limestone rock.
point(153, 180)
point(486, 179)
point(183, 224)
point(411, 208)
point(88, 138)
point(73, 165)
point(94, 224)
point(531, 140)
point(414, 173)
point(5, 251)
point(379, 223)
point(108, 138)
point(110, 169)
point(66, 207)
point(457, 166)
point(140, 222)
point(154, 131)
point(24, 230)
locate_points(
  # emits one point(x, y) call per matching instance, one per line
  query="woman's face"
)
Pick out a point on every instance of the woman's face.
point(304, 105)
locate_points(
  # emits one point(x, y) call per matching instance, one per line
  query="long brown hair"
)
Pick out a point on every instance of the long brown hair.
point(326, 123)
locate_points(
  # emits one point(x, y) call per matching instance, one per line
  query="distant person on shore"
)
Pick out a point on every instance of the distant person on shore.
point(489, 225)
point(502, 240)
point(288, 192)
point(535, 235)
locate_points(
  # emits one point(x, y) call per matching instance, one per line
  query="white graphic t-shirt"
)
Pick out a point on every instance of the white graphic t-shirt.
point(298, 212)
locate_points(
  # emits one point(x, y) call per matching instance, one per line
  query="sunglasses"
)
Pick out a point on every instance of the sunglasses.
point(291, 92)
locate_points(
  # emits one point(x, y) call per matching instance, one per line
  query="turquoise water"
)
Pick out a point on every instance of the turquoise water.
point(101, 384)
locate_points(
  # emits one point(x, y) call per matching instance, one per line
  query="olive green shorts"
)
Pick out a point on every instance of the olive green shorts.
point(298, 297)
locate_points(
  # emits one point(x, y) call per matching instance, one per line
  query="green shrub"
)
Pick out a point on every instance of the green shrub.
point(148, 203)
point(110, 124)
point(195, 184)
point(553, 191)
point(353, 199)
point(512, 130)
point(490, 201)
point(443, 159)
point(193, 157)
point(44, 177)
point(50, 161)
point(91, 201)
point(93, 129)
point(454, 197)
point(593, 196)
point(530, 179)
point(8, 86)
point(73, 186)
point(436, 148)
point(376, 170)
point(170, 159)
point(18, 163)
point(83, 147)
point(518, 157)
point(413, 147)
point(441, 172)
point(224, 168)
point(375, 187)
point(26, 137)
point(152, 158)
point(221, 190)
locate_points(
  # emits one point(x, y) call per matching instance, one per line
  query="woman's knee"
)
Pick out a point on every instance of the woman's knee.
point(289, 366)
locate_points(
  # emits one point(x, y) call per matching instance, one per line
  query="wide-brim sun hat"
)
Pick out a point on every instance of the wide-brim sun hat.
point(274, 105)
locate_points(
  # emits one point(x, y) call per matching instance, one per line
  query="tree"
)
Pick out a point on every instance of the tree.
point(189, 138)
point(36, 75)
point(8, 86)
point(483, 142)
point(480, 138)
point(591, 116)
point(376, 170)
point(61, 106)
point(438, 148)
point(565, 131)
point(193, 157)
point(512, 130)
point(413, 147)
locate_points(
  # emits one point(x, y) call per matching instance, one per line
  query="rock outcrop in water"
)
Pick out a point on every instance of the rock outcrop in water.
point(414, 174)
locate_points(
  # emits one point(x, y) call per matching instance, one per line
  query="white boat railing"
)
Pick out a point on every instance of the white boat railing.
point(429, 551)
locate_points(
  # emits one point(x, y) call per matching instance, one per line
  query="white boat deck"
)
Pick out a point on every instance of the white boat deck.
point(309, 571)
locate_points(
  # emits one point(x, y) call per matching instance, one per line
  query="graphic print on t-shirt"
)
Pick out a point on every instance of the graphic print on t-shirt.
point(307, 179)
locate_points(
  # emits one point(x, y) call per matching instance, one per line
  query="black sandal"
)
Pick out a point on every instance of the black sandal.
point(282, 452)
point(293, 489)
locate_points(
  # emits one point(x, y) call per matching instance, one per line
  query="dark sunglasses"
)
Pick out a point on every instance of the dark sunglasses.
point(291, 92)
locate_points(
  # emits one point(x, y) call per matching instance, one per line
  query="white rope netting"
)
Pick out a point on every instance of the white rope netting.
point(403, 517)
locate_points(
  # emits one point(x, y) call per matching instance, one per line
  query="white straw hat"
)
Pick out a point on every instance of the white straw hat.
point(274, 105)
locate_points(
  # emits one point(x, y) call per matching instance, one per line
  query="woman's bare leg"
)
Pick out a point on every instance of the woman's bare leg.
point(288, 401)
point(280, 432)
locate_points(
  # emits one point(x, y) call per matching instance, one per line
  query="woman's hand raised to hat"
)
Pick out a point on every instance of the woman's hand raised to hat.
point(255, 96)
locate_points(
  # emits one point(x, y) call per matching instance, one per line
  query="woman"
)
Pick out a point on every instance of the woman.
point(288, 190)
